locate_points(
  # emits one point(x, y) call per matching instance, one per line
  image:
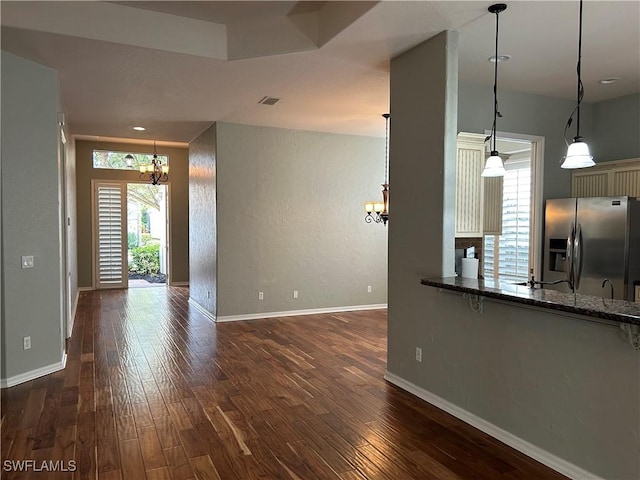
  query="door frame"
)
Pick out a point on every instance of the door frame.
point(536, 219)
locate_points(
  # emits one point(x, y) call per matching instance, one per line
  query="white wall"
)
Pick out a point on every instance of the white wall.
point(291, 217)
point(31, 223)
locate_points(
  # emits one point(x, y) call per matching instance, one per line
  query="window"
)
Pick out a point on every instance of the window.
point(507, 256)
point(117, 160)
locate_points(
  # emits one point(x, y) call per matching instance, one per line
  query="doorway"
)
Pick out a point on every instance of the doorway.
point(147, 245)
point(514, 255)
point(131, 238)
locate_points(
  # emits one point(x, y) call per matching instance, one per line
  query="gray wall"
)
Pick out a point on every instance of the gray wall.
point(291, 217)
point(178, 180)
point(203, 239)
point(529, 115)
point(565, 385)
point(616, 127)
point(32, 298)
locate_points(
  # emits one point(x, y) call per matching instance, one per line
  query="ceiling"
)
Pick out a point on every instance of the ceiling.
point(176, 67)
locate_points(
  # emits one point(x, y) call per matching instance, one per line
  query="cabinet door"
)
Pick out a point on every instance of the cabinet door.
point(615, 178)
point(625, 181)
point(590, 184)
point(492, 206)
point(469, 185)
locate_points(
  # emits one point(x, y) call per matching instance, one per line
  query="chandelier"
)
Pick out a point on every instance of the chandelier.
point(154, 172)
point(378, 212)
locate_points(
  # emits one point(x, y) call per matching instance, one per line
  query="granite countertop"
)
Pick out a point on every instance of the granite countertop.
point(616, 310)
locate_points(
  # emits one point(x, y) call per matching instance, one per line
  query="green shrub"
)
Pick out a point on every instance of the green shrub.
point(146, 260)
point(132, 240)
point(147, 239)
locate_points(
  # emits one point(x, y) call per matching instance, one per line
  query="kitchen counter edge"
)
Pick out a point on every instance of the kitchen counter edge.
point(615, 310)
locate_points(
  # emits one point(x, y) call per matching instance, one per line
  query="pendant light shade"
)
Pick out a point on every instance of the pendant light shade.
point(494, 166)
point(578, 155)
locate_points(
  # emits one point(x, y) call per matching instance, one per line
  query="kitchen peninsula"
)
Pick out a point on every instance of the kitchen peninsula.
point(609, 309)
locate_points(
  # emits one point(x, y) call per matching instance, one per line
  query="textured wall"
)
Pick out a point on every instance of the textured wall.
point(527, 114)
point(616, 129)
point(178, 180)
point(32, 298)
point(565, 385)
point(203, 238)
point(291, 217)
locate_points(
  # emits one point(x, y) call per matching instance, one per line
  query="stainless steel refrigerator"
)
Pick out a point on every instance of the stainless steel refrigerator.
point(588, 240)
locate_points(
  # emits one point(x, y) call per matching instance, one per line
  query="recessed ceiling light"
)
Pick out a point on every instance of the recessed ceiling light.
point(139, 129)
point(606, 81)
point(501, 58)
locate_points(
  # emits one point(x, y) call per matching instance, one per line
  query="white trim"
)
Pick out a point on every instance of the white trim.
point(179, 284)
point(85, 289)
point(293, 313)
point(74, 309)
point(33, 374)
point(556, 463)
point(202, 310)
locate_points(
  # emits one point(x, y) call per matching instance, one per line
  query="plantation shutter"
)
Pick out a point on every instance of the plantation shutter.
point(110, 203)
point(507, 256)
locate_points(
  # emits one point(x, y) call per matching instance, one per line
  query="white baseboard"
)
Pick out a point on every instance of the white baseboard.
point(202, 310)
point(85, 289)
point(293, 313)
point(33, 374)
point(179, 284)
point(556, 463)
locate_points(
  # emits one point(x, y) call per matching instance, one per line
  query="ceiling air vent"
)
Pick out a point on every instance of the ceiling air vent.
point(269, 100)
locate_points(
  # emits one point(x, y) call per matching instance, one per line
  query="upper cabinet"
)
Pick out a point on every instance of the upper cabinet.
point(620, 177)
point(478, 199)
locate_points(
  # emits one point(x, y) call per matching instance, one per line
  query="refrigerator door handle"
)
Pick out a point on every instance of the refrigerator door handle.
point(570, 240)
point(577, 263)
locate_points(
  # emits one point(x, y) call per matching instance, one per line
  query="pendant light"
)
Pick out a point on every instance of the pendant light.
point(156, 171)
point(378, 212)
point(494, 166)
point(578, 155)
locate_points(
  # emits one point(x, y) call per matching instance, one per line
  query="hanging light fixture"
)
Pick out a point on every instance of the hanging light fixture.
point(129, 160)
point(494, 166)
point(379, 211)
point(578, 155)
point(155, 172)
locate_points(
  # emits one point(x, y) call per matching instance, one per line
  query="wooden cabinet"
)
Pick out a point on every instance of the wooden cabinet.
point(609, 178)
point(478, 199)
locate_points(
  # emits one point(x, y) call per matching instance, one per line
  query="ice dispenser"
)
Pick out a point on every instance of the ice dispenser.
point(557, 255)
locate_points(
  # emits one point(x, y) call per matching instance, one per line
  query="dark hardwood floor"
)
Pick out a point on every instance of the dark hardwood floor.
point(152, 389)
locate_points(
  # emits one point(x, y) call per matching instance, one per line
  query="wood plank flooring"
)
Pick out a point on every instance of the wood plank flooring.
point(152, 389)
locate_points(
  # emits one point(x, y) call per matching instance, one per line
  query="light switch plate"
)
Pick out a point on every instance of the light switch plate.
point(27, 261)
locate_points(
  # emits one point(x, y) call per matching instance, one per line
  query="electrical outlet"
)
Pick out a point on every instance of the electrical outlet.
point(27, 261)
point(26, 343)
point(260, 295)
point(295, 294)
point(369, 289)
point(418, 354)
